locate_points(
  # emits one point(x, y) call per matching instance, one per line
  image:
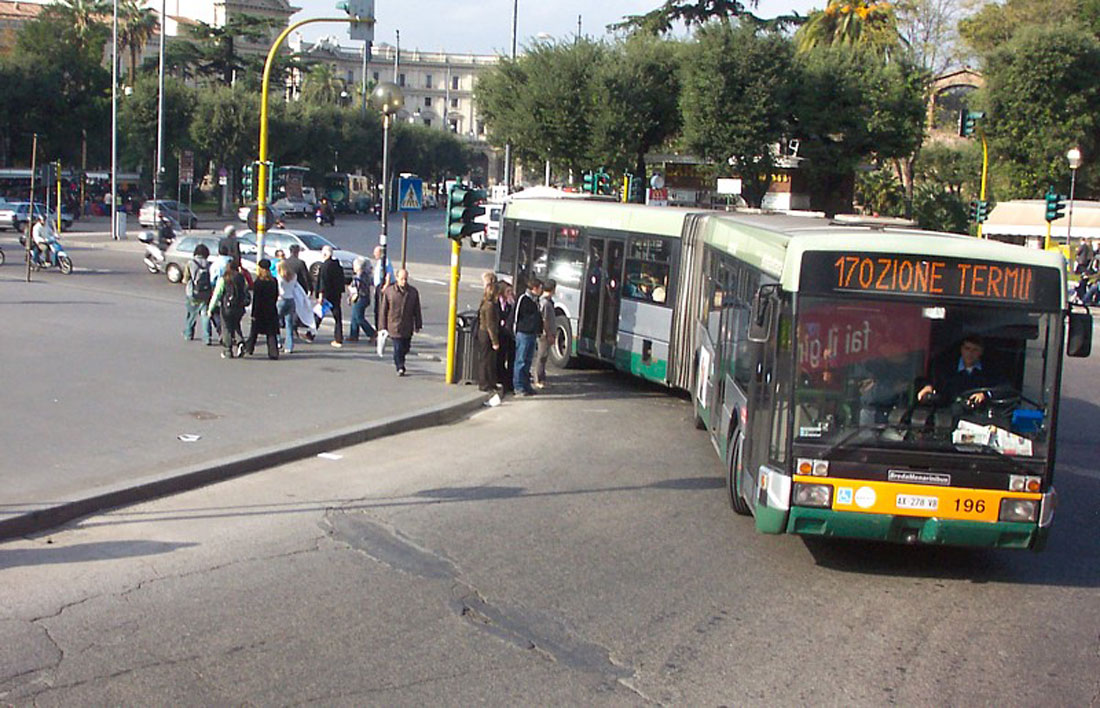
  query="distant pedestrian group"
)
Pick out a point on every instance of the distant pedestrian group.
point(218, 293)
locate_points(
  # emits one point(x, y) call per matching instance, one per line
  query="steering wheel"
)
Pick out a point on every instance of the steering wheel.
point(998, 403)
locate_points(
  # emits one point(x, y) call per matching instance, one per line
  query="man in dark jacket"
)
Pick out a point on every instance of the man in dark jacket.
point(229, 240)
point(330, 286)
point(298, 268)
point(400, 315)
point(528, 329)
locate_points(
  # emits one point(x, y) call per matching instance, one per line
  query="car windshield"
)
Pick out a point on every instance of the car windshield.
point(314, 242)
point(924, 376)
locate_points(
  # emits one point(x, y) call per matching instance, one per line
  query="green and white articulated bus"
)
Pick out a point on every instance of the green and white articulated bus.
point(827, 360)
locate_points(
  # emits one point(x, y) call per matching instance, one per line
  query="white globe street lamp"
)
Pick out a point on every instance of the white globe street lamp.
point(1074, 158)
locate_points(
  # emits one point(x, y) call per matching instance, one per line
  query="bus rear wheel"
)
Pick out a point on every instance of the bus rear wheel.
point(561, 353)
point(733, 479)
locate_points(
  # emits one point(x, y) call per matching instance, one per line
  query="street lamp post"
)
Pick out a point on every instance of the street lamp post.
point(1074, 158)
point(115, 235)
point(388, 98)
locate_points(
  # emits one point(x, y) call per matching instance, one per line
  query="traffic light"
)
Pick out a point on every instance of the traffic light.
point(603, 182)
point(636, 190)
point(363, 12)
point(968, 122)
point(463, 208)
point(979, 211)
point(588, 182)
point(1056, 205)
point(248, 182)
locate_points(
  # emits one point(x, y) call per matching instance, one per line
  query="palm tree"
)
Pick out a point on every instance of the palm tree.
point(852, 22)
point(137, 26)
point(81, 15)
point(321, 86)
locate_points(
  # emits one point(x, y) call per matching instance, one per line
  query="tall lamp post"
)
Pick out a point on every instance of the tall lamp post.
point(1074, 158)
point(388, 98)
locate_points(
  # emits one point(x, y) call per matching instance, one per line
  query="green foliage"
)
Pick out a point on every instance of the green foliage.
point(856, 23)
point(938, 210)
point(543, 102)
point(734, 95)
point(1043, 97)
point(880, 193)
point(956, 169)
point(138, 123)
point(640, 88)
point(697, 13)
point(215, 53)
point(995, 24)
point(847, 107)
point(226, 129)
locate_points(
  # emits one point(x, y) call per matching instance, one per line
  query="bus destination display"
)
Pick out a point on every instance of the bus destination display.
point(893, 274)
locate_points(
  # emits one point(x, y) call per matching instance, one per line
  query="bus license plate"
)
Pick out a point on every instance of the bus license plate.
point(914, 501)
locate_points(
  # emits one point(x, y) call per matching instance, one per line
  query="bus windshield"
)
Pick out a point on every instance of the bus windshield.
point(924, 376)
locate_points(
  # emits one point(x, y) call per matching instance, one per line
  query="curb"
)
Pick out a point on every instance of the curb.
point(193, 477)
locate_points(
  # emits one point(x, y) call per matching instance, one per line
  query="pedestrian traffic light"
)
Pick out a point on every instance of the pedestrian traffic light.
point(603, 182)
point(248, 182)
point(588, 182)
point(1056, 205)
point(463, 208)
point(968, 122)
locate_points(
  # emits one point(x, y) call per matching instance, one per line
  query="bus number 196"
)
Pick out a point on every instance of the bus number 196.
point(970, 506)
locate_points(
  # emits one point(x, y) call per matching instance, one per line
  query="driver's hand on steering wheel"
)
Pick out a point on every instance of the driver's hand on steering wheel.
point(925, 394)
point(976, 399)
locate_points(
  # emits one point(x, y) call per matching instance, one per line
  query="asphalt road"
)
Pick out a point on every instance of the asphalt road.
point(575, 548)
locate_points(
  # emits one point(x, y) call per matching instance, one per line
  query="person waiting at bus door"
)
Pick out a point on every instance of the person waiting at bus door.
point(966, 373)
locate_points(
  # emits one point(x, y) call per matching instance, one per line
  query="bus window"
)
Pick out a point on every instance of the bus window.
point(566, 258)
point(540, 265)
point(647, 270)
point(506, 248)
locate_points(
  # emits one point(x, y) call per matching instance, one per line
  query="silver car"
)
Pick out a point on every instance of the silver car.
point(151, 211)
point(182, 250)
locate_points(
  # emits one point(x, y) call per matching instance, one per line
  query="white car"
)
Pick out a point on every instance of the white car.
point(491, 234)
point(310, 253)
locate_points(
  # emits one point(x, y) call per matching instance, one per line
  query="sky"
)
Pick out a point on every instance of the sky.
point(485, 26)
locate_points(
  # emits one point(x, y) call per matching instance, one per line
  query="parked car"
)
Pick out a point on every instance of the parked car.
point(182, 251)
point(430, 201)
point(151, 211)
point(17, 214)
point(311, 245)
point(491, 234)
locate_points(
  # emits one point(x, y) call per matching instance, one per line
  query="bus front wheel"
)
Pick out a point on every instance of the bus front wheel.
point(733, 485)
point(561, 352)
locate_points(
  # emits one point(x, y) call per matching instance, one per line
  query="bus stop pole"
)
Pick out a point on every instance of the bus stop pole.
point(452, 309)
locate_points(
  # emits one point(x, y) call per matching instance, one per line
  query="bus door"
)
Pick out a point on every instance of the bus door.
point(599, 333)
point(532, 257)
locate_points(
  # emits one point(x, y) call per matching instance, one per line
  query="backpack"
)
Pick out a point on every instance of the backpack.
point(236, 295)
point(200, 284)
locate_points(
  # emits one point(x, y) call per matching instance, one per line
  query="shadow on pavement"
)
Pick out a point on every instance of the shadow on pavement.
point(82, 552)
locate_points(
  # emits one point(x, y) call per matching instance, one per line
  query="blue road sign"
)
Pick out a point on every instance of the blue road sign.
point(410, 194)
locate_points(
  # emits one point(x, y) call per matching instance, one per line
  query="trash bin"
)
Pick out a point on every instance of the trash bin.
point(120, 219)
point(466, 347)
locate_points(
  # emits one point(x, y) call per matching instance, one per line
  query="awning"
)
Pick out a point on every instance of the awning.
point(1026, 217)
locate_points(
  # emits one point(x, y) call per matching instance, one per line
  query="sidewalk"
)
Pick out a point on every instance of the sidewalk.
point(107, 404)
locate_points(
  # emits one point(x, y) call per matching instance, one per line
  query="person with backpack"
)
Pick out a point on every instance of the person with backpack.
point(231, 296)
point(197, 291)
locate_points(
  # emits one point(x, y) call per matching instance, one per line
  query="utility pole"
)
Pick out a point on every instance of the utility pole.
point(397, 56)
point(159, 162)
point(508, 145)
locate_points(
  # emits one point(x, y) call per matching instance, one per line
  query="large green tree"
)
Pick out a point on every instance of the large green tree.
point(1043, 97)
point(639, 110)
point(216, 50)
point(226, 129)
point(871, 25)
point(138, 122)
point(849, 107)
point(734, 102)
point(544, 102)
point(136, 26)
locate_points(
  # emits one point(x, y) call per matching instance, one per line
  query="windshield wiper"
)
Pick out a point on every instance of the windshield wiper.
point(847, 437)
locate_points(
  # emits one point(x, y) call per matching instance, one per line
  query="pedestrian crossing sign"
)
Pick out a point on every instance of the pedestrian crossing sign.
point(410, 194)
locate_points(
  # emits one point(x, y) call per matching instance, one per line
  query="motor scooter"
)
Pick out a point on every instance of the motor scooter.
point(156, 243)
point(55, 256)
point(324, 217)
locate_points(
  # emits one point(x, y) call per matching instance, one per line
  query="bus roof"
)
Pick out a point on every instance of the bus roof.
point(775, 243)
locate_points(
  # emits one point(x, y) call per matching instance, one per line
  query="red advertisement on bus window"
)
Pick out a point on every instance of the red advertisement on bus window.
point(834, 335)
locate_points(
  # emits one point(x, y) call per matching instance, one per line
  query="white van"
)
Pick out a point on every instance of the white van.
point(491, 234)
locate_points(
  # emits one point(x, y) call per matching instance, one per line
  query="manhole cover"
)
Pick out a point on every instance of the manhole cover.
point(204, 415)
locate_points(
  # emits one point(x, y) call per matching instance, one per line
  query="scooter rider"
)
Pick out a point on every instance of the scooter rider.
point(41, 240)
point(165, 234)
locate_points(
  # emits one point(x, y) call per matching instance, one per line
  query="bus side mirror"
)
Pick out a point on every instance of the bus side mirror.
point(763, 313)
point(1079, 342)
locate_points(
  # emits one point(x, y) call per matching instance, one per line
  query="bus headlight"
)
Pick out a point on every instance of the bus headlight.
point(1026, 510)
point(818, 495)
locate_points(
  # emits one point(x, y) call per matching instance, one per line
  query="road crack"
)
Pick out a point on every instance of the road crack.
point(547, 636)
